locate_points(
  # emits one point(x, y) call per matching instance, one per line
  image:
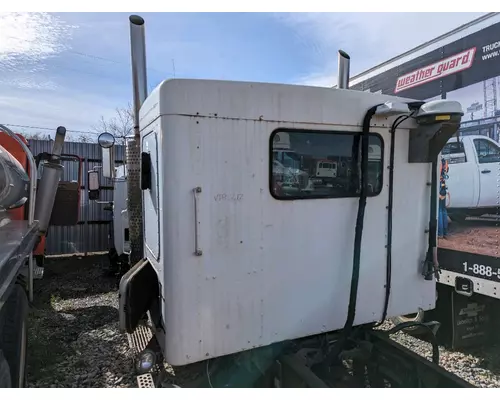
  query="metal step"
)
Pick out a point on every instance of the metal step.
point(38, 272)
point(145, 381)
point(139, 339)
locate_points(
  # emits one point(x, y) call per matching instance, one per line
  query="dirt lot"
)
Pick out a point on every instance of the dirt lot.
point(473, 236)
point(73, 336)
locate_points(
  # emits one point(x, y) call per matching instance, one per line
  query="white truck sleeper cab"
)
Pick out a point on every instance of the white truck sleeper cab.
point(232, 261)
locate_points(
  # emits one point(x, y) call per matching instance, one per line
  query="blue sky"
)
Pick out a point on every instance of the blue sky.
point(72, 68)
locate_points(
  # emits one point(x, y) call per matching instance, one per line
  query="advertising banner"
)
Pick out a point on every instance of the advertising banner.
point(466, 70)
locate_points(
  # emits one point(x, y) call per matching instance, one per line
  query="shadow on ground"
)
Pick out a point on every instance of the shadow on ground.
point(74, 339)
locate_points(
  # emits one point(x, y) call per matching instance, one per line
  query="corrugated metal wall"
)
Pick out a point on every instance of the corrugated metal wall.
point(91, 233)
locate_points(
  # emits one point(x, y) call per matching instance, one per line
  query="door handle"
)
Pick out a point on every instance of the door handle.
point(485, 171)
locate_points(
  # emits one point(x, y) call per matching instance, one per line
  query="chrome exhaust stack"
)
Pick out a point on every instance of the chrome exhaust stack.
point(343, 70)
point(139, 73)
point(133, 146)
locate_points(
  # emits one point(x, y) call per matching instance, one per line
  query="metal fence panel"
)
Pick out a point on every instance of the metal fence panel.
point(93, 231)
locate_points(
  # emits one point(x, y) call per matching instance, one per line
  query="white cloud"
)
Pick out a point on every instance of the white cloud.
point(26, 40)
point(34, 93)
point(32, 35)
point(369, 38)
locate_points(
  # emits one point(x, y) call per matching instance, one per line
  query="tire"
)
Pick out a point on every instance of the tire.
point(13, 335)
point(418, 317)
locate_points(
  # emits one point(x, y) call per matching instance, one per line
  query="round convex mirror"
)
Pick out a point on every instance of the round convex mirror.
point(106, 140)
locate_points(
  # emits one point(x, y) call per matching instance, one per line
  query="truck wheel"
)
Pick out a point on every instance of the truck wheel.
point(418, 317)
point(5, 381)
point(13, 339)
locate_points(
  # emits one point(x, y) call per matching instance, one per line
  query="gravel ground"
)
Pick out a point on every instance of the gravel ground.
point(480, 366)
point(74, 339)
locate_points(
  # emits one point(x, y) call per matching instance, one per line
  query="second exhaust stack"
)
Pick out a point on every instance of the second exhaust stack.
point(343, 70)
point(133, 147)
point(139, 70)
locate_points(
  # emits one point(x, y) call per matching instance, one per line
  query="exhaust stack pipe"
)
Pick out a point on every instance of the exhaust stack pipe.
point(133, 146)
point(49, 182)
point(343, 70)
point(139, 74)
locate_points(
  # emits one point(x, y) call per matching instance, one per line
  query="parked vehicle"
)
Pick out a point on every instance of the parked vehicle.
point(472, 179)
point(326, 171)
point(26, 212)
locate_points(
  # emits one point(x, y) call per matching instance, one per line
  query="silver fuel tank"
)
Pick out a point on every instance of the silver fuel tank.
point(14, 182)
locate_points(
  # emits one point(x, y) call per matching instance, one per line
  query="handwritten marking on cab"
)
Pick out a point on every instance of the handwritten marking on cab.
point(228, 197)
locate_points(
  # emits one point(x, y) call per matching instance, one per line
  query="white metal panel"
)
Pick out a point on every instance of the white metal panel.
point(260, 102)
point(275, 270)
point(272, 270)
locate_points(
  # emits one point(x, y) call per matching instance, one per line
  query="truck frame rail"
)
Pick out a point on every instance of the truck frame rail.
point(374, 360)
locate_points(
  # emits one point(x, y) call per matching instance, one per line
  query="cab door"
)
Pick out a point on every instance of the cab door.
point(150, 186)
point(488, 160)
point(462, 182)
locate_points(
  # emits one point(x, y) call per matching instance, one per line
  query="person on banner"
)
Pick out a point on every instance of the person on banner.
point(443, 196)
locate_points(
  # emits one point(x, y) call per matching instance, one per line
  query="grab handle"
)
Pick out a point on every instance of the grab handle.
point(197, 250)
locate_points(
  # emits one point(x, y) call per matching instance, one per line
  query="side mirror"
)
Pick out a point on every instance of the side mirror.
point(107, 141)
point(94, 185)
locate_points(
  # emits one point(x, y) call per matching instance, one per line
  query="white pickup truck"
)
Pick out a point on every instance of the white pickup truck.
point(473, 179)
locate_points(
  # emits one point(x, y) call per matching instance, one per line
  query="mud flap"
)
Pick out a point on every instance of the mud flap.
point(138, 290)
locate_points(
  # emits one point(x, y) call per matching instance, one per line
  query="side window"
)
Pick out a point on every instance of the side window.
point(322, 164)
point(487, 152)
point(454, 152)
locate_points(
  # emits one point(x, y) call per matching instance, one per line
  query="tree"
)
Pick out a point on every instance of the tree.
point(36, 136)
point(120, 126)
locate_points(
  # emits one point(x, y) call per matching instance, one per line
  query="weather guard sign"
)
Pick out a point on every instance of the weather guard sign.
point(448, 66)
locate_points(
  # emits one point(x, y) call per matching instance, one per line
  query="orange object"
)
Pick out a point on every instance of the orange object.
point(14, 148)
point(40, 248)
